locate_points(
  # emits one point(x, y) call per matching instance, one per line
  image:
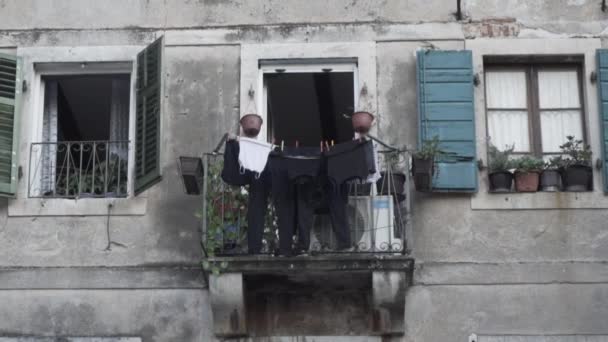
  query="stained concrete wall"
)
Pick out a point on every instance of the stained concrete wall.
point(490, 271)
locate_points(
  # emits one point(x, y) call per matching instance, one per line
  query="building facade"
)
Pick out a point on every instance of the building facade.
point(146, 81)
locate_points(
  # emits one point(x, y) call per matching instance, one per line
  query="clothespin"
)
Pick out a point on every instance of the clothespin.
point(282, 144)
point(321, 145)
point(332, 143)
point(327, 145)
point(297, 143)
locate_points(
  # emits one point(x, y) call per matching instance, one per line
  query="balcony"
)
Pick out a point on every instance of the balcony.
point(78, 169)
point(376, 267)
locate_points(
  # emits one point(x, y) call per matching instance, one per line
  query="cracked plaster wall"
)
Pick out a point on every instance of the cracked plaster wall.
point(202, 83)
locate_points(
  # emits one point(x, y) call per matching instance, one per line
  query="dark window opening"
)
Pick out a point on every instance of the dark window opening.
point(310, 107)
point(84, 104)
point(85, 136)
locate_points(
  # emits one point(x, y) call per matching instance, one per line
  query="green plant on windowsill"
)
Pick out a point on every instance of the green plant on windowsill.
point(575, 169)
point(527, 164)
point(575, 152)
point(500, 165)
point(500, 161)
point(554, 163)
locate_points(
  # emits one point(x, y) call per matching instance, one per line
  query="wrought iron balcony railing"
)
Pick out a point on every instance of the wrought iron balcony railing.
point(78, 169)
point(377, 213)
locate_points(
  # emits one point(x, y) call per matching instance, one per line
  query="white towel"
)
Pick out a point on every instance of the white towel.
point(253, 155)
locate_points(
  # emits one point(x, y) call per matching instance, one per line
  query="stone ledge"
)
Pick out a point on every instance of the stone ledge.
point(62, 278)
point(470, 273)
point(322, 263)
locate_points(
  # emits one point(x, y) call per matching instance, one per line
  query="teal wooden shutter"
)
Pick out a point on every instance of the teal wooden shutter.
point(147, 116)
point(602, 72)
point(10, 93)
point(445, 109)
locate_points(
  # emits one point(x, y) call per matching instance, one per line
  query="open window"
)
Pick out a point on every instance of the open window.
point(309, 101)
point(85, 138)
point(89, 115)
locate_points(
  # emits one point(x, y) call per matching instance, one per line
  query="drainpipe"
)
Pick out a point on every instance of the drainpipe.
point(459, 9)
point(604, 8)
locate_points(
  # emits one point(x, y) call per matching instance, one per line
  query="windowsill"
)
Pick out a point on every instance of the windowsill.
point(134, 206)
point(539, 200)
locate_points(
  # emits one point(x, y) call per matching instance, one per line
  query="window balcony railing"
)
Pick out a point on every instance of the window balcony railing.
point(377, 214)
point(78, 169)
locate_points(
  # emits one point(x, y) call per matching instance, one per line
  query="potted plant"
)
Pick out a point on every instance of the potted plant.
point(423, 163)
point(527, 173)
point(392, 181)
point(226, 214)
point(499, 168)
point(575, 168)
point(550, 178)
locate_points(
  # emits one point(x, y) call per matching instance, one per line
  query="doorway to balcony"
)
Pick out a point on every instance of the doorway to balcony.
point(308, 101)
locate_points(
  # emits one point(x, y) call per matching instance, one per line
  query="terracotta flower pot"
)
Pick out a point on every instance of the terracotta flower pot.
point(251, 124)
point(526, 181)
point(362, 121)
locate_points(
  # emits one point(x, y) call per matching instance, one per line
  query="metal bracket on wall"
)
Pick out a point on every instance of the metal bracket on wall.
point(599, 164)
point(480, 164)
point(476, 80)
point(593, 77)
point(24, 86)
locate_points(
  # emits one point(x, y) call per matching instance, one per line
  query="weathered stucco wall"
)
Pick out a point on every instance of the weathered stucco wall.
point(500, 272)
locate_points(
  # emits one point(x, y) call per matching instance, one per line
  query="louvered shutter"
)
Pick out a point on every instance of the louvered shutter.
point(445, 109)
point(602, 72)
point(148, 111)
point(10, 93)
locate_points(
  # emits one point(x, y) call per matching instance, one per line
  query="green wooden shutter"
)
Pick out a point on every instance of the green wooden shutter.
point(446, 110)
point(10, 93)
point(602, 72)
point(147, 116)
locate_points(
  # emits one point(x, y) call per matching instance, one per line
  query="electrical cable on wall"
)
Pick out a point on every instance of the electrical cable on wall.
point(459, 9)
point(110, 242)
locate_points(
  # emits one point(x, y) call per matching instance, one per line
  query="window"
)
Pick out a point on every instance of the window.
point(309, 103)
point(534, 106)
point(85, 138)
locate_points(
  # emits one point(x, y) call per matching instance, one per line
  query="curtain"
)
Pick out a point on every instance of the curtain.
point(119, 118)
point(506, 101)
point(560, 107)
point(48, 152)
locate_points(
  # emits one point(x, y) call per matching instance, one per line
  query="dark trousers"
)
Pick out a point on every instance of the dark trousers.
point(283, 194)
point(306, 191)
point(337, 199)
point(259, 190)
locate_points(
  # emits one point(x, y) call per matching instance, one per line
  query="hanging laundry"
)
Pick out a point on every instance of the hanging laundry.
point(253, 155)
point(375, 175)
point(349, 160)
point(231, 172)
